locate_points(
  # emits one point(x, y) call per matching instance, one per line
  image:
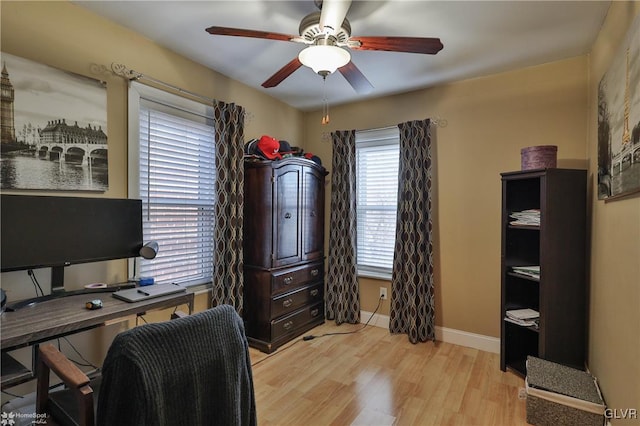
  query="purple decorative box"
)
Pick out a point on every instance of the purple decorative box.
point(539, 157)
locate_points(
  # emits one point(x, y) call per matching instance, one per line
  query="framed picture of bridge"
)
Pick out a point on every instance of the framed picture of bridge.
point(54, 129)
point(619, 121)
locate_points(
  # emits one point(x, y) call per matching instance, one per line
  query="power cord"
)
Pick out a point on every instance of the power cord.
point(35, 282)
point(86, 363)
point(276, 353)
point(12, 395)
point(311, 336)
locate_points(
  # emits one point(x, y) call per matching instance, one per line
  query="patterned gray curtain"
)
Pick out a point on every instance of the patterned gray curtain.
point(227, 252)
point(343, 293)
point(412, 299)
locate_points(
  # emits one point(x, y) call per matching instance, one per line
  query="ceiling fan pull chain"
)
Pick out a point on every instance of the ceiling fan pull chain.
point(327, 115)
point(325, 102)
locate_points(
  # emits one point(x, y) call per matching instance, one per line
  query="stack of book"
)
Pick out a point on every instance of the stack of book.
point(524, 317)
point(529, 217)
point(532, 271)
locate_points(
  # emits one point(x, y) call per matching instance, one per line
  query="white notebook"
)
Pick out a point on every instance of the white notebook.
point(523, 314)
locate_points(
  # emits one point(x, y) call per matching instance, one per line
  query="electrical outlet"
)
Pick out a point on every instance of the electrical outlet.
point(383, 293)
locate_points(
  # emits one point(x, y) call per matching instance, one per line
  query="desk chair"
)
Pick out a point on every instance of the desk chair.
point(189, 371)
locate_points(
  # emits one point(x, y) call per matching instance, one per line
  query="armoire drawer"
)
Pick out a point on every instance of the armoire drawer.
point(288, 279)
point(290, 323)
point(289, 302)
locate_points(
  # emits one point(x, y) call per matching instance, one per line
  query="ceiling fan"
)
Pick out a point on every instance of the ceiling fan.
point(327, 34)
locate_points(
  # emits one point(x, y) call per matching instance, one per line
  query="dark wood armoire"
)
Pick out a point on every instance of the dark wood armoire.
point(283, 250)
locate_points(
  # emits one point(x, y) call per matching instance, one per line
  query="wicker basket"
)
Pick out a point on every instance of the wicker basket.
point(539, 157)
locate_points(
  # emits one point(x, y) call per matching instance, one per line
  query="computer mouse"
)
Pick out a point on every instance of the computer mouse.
point(94, 304)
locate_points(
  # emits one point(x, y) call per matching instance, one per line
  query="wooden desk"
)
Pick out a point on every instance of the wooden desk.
point(55, 318)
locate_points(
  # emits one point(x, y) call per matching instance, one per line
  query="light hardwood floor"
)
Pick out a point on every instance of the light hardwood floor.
point(375, 378)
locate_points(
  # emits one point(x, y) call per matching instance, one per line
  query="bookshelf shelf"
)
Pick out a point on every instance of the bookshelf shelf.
point(524, 277)
point(529, 227)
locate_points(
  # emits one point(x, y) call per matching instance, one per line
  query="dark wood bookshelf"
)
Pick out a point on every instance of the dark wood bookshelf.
point(558, 245)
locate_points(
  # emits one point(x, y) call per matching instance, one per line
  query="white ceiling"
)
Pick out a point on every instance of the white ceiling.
point(479, 38)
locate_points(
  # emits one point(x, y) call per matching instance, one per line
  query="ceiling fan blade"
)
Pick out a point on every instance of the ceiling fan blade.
point(282, 73)
point(332, 14)
point(251, 33)
point(356, 79)
point(426, 45)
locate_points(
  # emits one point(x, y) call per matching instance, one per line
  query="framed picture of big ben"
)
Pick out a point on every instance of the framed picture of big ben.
point(54, 129)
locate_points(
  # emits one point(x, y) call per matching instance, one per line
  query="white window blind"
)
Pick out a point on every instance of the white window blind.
point(176, 182)
point(377, 153)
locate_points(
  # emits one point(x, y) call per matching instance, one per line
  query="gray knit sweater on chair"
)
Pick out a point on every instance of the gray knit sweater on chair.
point(189, 371)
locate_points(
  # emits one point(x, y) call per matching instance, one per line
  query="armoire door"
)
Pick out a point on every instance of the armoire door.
point(287, 244)
point(312, 214)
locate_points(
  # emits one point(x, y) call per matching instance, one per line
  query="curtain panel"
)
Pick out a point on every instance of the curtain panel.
point(412, 298)
point(228, 255)
point(343, 293)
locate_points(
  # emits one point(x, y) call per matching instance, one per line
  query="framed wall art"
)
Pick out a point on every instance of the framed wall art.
point(54, 129)
point(619, 121)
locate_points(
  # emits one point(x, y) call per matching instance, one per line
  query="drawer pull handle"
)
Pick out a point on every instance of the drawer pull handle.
point(288, 280)
point(287, 303)
point(288, 325)
point(314, 272)
point(287, 215)
point(314, 292)
point(315, 312)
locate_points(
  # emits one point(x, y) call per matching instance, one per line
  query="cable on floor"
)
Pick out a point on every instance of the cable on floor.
point(311, 336)
point(276, 353)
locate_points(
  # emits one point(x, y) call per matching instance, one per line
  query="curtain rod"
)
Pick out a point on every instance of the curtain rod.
point(440, 122)
point(133, 75)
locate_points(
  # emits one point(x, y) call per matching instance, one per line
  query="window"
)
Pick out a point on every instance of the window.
point(377, 153)
point(172, 169)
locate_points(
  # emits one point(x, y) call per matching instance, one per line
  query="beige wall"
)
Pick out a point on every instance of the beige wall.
point(488, 121)
point(614, 338)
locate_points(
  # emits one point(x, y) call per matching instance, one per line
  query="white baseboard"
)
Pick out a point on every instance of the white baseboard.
point(378, 320)
point(443, 334)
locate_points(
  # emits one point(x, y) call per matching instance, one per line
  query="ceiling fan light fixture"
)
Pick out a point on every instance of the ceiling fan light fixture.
point(324, 59)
